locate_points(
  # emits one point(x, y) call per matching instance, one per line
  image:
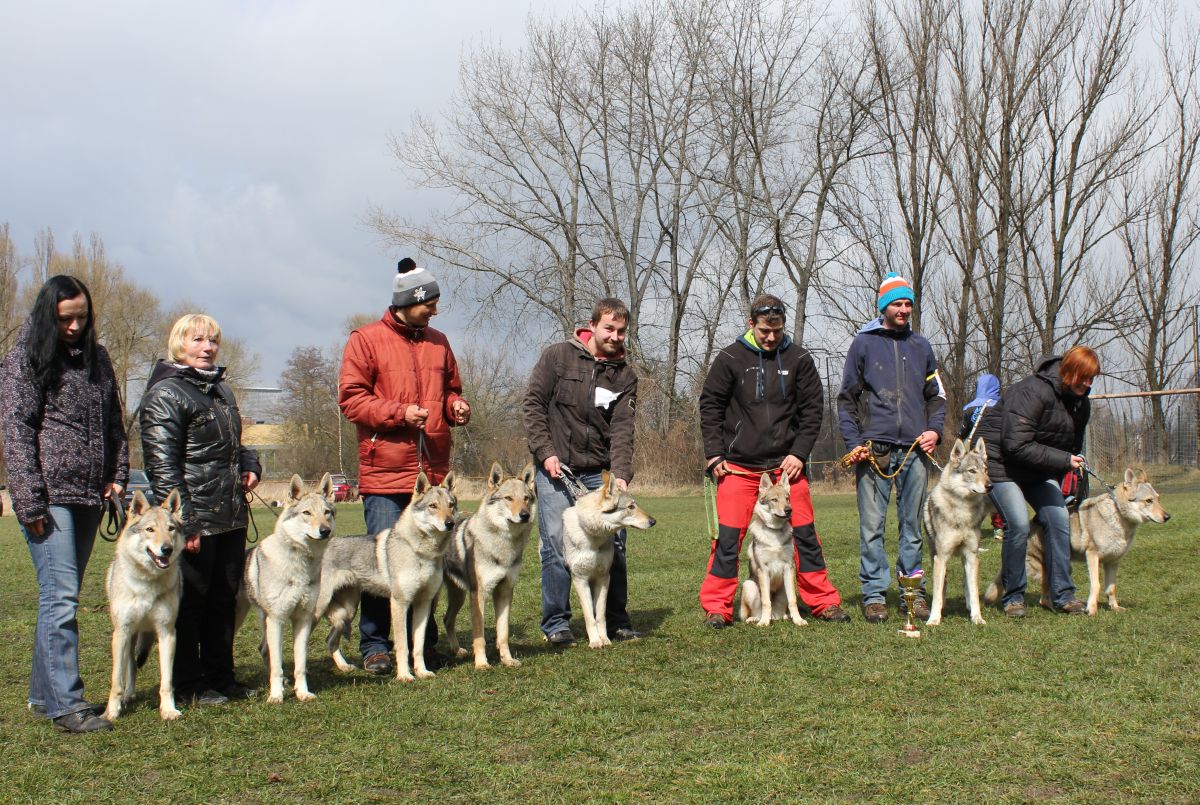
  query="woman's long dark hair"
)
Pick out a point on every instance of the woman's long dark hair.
point(43, 348)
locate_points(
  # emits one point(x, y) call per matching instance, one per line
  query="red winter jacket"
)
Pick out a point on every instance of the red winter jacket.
point(386, 367)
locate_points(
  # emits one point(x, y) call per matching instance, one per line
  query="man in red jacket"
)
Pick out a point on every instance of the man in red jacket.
point(400, 387)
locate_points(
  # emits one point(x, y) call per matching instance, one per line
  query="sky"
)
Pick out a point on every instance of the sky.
point(229, 152)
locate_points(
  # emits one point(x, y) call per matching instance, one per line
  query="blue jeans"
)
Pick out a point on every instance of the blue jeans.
point(375, 618)
point(874, 494)
point(60, 557)
point(552, 500)
point(1051, 511)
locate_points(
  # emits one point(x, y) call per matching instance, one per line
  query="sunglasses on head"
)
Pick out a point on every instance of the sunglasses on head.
point(764, 310)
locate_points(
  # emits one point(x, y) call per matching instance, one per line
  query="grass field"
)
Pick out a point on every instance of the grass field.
point(1047, 709)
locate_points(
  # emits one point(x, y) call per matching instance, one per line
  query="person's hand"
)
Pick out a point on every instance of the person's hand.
point(114, 491)
point(856, 456)
point(192, 543)
point(249, 480)
point(37, 527)
point(552, 466)
point(415, 416)
point(461, 412)
point(928, 441)
point(622, 484)
point(718, 468)
point(793, 466)
point(1077, 462)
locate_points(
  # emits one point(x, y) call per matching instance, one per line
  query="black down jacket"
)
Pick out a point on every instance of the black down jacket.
point(1043, 425)
point(192, 441)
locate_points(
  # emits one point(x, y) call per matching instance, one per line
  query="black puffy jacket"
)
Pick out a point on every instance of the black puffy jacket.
point(1043, 425)
point(192, 441)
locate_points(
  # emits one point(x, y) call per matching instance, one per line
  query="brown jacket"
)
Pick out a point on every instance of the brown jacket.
point(564, 418)
point(386, 367)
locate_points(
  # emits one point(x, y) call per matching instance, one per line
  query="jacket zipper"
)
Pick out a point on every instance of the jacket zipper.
point(899, 391)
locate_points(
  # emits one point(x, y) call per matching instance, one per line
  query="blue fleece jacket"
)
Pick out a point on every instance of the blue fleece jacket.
point(891, 392)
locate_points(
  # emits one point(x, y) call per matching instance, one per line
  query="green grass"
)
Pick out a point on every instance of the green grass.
point(1050, 708)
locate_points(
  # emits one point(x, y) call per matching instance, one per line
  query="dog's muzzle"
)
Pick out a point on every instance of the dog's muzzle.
point(322, 534)
point(163, 561)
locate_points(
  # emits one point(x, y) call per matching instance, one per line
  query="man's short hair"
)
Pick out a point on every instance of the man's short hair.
point(769, 308)
point(187, 326)
point(609, 304)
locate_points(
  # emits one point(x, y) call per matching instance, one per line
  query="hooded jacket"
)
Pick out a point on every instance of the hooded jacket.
point(580, 408)
point(192, 441)
point(891, 392)
point(986, 419)
point(1044, 425)
point(386, 367)
point(759, 406)
point(63, 446)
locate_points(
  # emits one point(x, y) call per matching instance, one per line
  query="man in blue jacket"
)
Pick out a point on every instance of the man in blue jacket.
point(891, 399)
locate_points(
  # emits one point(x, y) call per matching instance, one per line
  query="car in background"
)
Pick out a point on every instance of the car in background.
point(138, 482)
point(345, 490)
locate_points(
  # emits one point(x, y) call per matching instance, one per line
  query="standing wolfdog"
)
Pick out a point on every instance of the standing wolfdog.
point(951, 515)
point(589, 528)
point(144, 585)
point(484, 560)
point(283, 577)
point(404, 562)
point(770, 589)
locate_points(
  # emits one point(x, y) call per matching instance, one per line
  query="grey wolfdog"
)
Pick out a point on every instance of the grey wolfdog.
point(484, 560)
point(770, 589)
point(951, 515)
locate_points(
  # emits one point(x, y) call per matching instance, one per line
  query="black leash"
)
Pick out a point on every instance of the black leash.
point(113, 514)
point(250, 493)
point(1112, 490)
point(575, 487)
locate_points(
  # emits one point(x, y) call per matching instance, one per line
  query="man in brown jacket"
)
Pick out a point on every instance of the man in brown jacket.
point(399, 385)
point(579, 414)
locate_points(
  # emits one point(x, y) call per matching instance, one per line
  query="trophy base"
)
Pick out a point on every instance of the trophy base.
point(909, 632)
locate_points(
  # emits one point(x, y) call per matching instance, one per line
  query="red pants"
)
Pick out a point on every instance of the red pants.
point(736, 496)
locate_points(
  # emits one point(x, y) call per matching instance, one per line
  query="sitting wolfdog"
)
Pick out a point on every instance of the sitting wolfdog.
point(770, 589)
point(951, 516)
point(484, 560)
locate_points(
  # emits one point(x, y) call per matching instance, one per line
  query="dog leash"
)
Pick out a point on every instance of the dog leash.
point(710, 506)
point(1112, 490)
point(114, 519)
point(250, 493)
point(856, 455)
point(575, 487)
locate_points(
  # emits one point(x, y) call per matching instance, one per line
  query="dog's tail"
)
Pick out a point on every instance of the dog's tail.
point(994, 590)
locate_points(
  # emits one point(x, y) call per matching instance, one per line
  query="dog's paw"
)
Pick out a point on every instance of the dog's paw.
point(751, 619)
point(460, 652)
point(1113, 607)
point(112, 713)
point(510, 662)
point(482, 665)
point(761, 622)
point(597, 643)
point(405, 676)
point(305, 696)
point(934, 620)
point(425, 674)
point(169, 714)
point(978, 620)
point(799, 621)
point(275, 698)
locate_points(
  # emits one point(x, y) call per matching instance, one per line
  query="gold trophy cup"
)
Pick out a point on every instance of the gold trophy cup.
point(910, 585)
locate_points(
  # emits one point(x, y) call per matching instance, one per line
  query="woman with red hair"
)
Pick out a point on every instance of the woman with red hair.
point(1045, 415)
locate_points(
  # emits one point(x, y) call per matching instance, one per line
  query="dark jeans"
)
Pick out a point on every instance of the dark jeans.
point(1047, 501)
point(204, 629)
point(375, 616)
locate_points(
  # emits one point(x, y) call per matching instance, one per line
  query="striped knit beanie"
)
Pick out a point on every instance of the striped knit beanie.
point(894, 287)
point(413, 284)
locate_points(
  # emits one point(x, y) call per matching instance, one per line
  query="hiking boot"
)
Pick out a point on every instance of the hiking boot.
point(920, 608)
point(1072, 607)
point(563, 638)
point(88, 707)
point(379, 663)
point(875, 613)
point(626, 633)
point(208, 696)
point(715, 620)
point(833, 614)
point(82, 721)
point(1015, 610)
point(236, 691)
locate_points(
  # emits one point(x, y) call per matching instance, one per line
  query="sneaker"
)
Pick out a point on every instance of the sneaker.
point(920, 608)
point(1015, 610)
point(833, 614)
point(236, 691)
point(715, 620)
point(875, 613)
point(379, 663)
point(82, 721)
point(626, 633)
point(561, 639)
point(1072, 607)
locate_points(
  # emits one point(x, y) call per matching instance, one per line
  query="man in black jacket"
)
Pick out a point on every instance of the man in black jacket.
point(760, 411)
point(579, 414)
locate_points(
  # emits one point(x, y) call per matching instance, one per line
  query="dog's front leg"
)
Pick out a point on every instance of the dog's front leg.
point(166, 672)
point(503, 603)
point(767, 604)
point(939, 589)
point(971, 585)
point(273, 633)
point(583, 589)
point(789, 588)
point(420, 620)
point(478, 639)
point(1110, 586)
point(122, 651)
point(400, 631)
point(601, 610)
point(302, 624)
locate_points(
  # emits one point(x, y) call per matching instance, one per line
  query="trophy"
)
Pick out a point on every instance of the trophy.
point(910, 585)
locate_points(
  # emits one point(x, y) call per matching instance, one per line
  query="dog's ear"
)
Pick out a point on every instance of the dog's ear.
point(1130, 478)
point(1141, 477)
point(980, 448)
point(173, 503)
point(296, 488)
point(448, 482)
point(495, 476)
point(528, 475)
point(326, 486)
point(139, 505)
point(785, 482)
point(764, 482)
point(958, 451)
point(421, 485)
